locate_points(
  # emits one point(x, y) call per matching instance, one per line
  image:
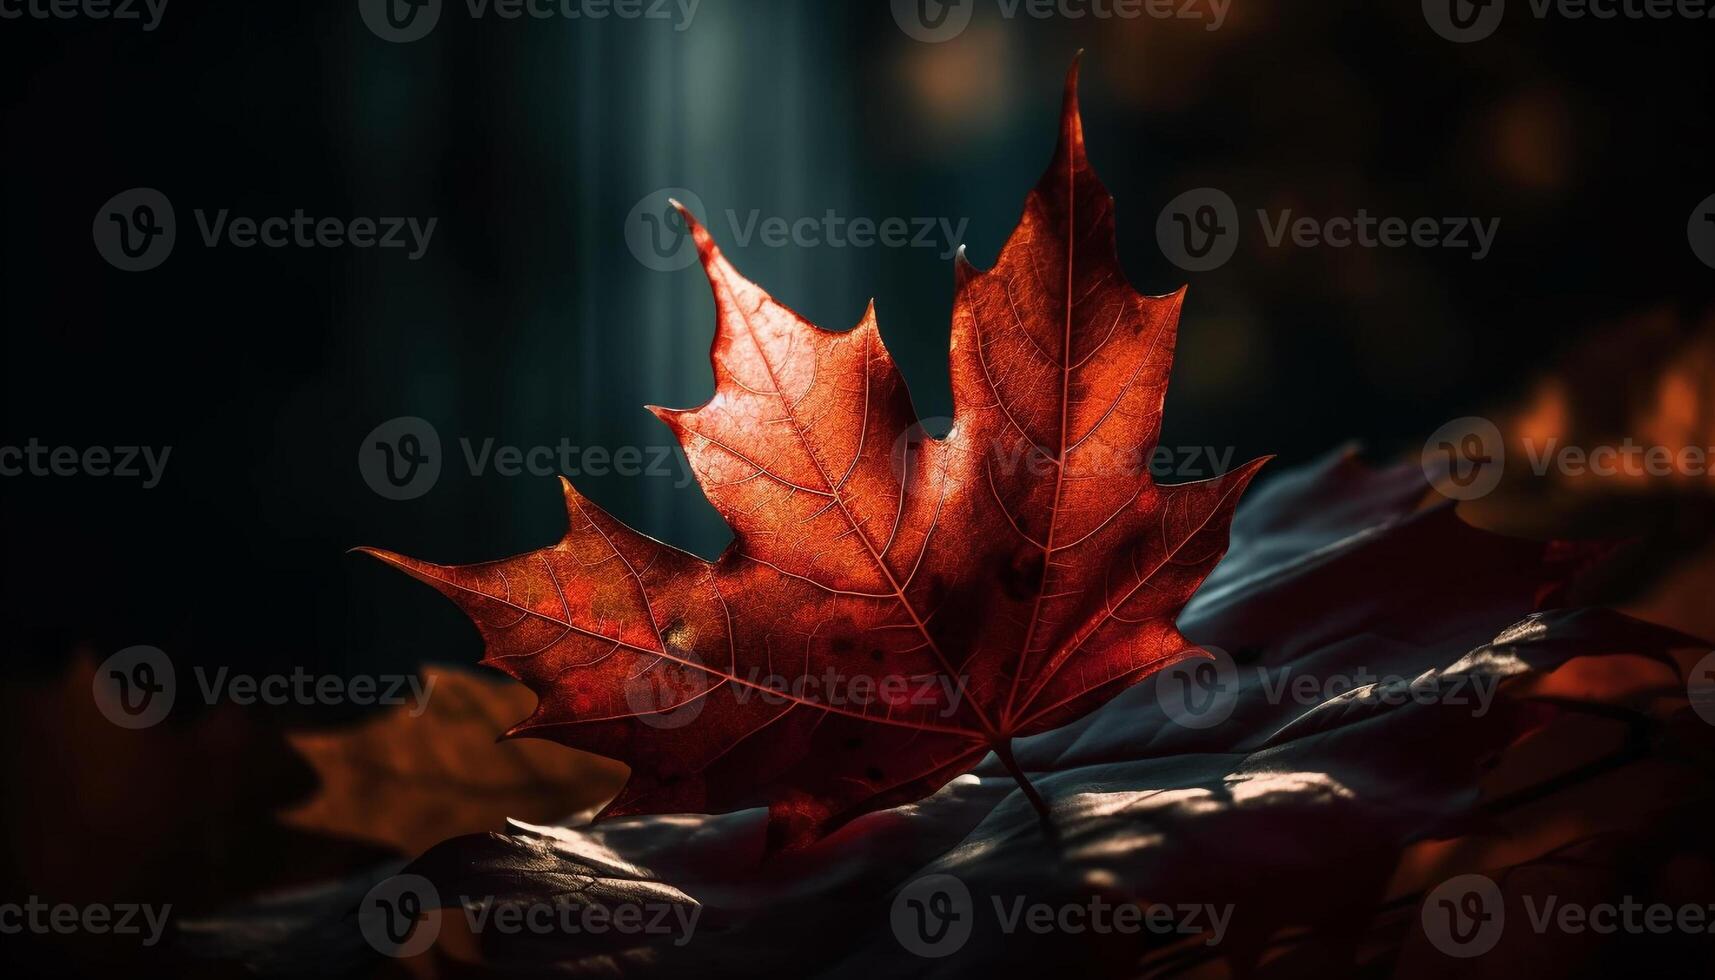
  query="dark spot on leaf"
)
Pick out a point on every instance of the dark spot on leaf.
point(1023, 575)
point(938, 589)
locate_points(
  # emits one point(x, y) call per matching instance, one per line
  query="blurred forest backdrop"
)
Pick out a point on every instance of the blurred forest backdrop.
point(529, 320)
point(542, 149)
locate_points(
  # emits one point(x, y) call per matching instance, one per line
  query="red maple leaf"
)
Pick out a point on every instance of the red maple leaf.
point(892, 607)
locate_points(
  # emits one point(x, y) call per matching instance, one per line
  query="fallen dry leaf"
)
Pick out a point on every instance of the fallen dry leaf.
point(407, 782)
point(1319, 825)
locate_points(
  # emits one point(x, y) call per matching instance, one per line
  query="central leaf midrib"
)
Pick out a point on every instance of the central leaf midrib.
point(1047, 544)
point(839, 500)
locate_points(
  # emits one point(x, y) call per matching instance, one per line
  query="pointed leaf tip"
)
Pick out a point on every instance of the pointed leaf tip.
point(379, 554)
point(410, 566)
point(700, 236)
point(1071, 120)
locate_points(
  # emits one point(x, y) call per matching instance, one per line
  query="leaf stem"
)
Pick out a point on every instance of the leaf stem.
point(1003, 750)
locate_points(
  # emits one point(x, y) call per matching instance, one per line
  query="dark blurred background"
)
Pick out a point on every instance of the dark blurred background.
point(544, 150)
point(529, 320)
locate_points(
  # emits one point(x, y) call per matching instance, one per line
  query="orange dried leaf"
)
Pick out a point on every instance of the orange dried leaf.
point(408, 782)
